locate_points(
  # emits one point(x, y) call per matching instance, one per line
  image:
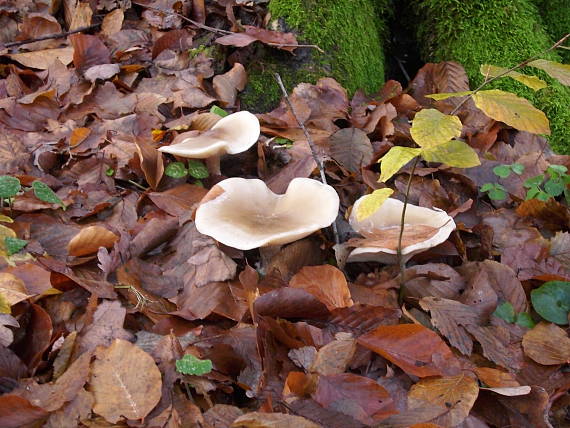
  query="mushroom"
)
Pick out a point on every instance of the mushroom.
point(232, 134)
point(424, 228)
point(245, 214)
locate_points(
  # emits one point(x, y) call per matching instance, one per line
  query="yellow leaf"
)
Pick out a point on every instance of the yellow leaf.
point(4, 305)
point(514, 111)
point(6, 219)
point(532, 82)
point(370, 203)
point(4, 233)
point(446, 95)
point(561, 72)
point(431, 127)
point(395, 159)
point(453, 153)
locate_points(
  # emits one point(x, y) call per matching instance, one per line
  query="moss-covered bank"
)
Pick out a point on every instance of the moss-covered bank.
point(556, 17)
point(498, 32)
point(350, 32)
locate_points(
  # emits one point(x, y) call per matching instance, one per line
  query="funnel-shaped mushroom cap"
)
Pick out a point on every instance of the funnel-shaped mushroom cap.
point(424, 228)
point(245, 214)
point(232, 134)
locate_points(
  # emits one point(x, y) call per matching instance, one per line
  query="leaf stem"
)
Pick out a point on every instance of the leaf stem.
point(401, 262)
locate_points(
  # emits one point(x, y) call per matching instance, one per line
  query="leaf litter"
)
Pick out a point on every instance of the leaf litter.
point(286, 338)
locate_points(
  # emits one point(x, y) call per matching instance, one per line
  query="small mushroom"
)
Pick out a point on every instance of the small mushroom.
point(245, 214)
point(232, 134)
point(424, 228)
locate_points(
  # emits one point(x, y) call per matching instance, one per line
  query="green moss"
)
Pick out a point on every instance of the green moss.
point(498, 32)
point(350, 32)
point(556, 17)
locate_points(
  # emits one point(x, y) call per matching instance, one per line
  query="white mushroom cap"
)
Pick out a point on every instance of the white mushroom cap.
point(232, 134)
point(245, 214)
point(424, 228)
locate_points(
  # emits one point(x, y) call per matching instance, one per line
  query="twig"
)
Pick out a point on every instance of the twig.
point(51, 36)
point(504, 73)
point(402, 226)
point(318, 161)
point(224, 32)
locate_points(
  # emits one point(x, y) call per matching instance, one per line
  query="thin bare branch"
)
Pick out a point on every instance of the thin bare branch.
point(51, 36)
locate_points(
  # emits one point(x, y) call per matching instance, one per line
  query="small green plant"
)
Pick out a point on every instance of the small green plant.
point(495, 191)
point(506, 312)
point(196, 169)
point(14, 245)
point(552, 301)
point(191, 365)
point(11, 186)
point(550, 185)
point(219, 111)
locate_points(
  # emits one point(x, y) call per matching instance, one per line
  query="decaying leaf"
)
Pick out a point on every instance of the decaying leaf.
point(125, 381)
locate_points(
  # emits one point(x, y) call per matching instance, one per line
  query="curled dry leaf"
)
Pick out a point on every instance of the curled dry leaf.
point(90, 239)
point(547, 344)
point(125, 381)
point(511, 391)
point(228, 84)
point(326, 283)
point(457, 394)
point(414, 348)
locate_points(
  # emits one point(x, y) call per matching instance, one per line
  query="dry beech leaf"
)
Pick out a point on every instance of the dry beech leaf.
point(112, 22)
point(495, 378)
point(152, 163)
point(90, 239)
point(88, 50)
point(547, 344)
point(457, 394)
point(414, 348)
point(81, 16)
point(44, 58)
point(326, 283)
point(12, 288)
point(125, 381)
point(78, 135)
point(351, 148)
point(334, 357)
point(228, 84)
point(272, 420)
point(511, 391)
point(560, 248)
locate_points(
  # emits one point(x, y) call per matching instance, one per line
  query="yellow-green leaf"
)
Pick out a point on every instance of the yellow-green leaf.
point(6, 219)
point(561, 72)
point(4, 305)
point(446, 95)
point(532, 82)
point(453, 153)
point(514, 111)
point(395, 159)
point(431, 127)
point(4, 233)
point(370, 203)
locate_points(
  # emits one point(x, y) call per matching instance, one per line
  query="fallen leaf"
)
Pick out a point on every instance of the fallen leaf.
point(81, 16)
point(90, 239)
point(457, 394)
point(125, 381)
point(334, 357)
point(228, 84)
point(112, 22)
point(560, 248)
point(412, 347)
point(351, 148)
point(285, 41)
point(152, 162)
point(326, 283)
point(44, 58)
point(88, 50)
point(273, 420)
point(496, 378)
point(16, 412)
point(547, 344)
point(12, 288)
point(511, 391)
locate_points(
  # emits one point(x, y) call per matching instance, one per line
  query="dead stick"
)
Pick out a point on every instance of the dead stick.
point(318, 161)
point(51, 36)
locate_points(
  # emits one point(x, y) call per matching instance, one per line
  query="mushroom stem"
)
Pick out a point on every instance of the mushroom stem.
point(213, 165)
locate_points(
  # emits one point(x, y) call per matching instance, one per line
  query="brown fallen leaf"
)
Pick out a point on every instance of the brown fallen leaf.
point(90, 239)
point(334, 357)
point(152, 162)
point(112, 22)
point(125, 381)
point(44, 58)
point(16, 411)
point(88, 50)
point(326, 283)
point(496, 378)
point(228, 84)
point(285, 41)
point(273, 420)
point(412, 347)
point(351, 148)
point(547, 344)
point(560, 248)
point(79, 409)
point(12, 288)
point(457, 394)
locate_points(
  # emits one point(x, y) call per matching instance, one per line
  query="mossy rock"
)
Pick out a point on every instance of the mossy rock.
point(498, 32)
point(351, 34)
point(556, 17)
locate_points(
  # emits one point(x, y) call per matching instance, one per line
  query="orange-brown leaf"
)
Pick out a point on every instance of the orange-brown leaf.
point(326, 283)
point(89, 240)
point(547, 344)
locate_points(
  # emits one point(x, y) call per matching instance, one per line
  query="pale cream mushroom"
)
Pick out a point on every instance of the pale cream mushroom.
point(245, 214)
point(424, 228)
point(232, 134)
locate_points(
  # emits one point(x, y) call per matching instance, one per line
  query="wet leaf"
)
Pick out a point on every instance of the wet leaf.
point(394, 160)
point(125, 381)
point(90, 239)
point(457, 394)
point(430, 127)
point(561, 72)
point(372, 202)
point(552, 301)
point(453, 153)
point(547, 344)
point(414, 348)
point(514, 111)
point(9, 186)
point(532, 82)
point(44, 193)
point(191, 365)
